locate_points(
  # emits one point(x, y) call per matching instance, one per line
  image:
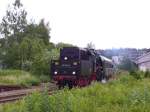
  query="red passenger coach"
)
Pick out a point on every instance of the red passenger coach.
point(77, 67)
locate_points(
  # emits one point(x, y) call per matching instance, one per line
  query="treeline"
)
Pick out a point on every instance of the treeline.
point(25, 44)
point(126, 52)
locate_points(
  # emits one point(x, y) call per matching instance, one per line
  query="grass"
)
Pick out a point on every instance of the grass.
point(125, 94)
point(17, 77)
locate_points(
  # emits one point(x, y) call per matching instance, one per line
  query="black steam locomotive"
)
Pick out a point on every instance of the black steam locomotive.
point(79, 67)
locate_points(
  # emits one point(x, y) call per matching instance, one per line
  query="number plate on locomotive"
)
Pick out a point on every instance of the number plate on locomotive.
point(65, 65)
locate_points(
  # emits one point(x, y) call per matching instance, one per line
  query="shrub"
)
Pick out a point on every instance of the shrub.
point(127, 64)
point(137, 74)
point(44, 78)
point(124, 79)
point(17, 77)
point(147, 74)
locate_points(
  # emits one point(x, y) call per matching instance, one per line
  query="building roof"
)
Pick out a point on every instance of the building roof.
point(143, 55)
point(143, 59)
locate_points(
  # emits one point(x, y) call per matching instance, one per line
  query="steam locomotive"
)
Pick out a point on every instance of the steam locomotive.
point(79, 67)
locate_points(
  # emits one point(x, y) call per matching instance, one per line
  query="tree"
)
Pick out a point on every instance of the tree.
point(11, 28)
point(41, 63)
point(10, 57)
point(35, 56)
point(41, 31)
point(127, 64)
point(13, 23)
point(61, 45)
point(25, 45)
point(30, 50)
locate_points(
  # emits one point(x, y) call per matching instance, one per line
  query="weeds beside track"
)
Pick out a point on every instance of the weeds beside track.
point(14, 95)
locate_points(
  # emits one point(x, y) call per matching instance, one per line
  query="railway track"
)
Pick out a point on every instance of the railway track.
point(4, 88)
point(14, 95)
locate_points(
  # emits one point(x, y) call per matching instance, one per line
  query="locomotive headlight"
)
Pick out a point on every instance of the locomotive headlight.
point(75, 63)
point(55, 72)
point(73, 72)
point(65, 58)
point(56, 63)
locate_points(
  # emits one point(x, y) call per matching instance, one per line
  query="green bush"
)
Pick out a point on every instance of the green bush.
point(124, 79)
point(140, 74)
point(127, 64)
point(137, 74)
point(147, 74)
point(44, 78)
point(17, 77)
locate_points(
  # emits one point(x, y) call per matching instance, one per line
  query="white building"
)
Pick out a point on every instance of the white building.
point(143, 62)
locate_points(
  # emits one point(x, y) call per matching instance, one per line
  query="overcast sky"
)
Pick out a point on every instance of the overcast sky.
point(106, 23)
